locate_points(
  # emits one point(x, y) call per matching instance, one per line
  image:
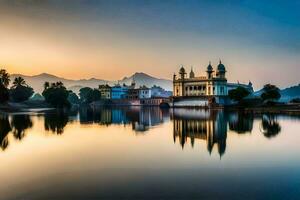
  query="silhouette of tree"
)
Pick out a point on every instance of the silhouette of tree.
point(73, 98)
point(238, 94)
point(19, 124)
point(4, 82)
point(56, 95)
point(5, 128)
point(270, 92)
point(19, 81)
point(20, 91)
point(88, 95)
point(4, 78)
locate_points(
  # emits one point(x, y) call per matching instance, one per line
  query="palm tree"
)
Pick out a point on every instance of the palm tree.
point(19, 81)
point(4, 78)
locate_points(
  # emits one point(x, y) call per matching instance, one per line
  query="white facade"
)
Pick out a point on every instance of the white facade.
point(144, 93)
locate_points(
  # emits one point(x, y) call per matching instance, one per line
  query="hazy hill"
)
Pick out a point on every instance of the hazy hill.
point(37, 81)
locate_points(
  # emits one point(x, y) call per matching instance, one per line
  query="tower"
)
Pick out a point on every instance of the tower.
point(221, 71)
point(182, 72)
point(192, 74)
point(209, 71)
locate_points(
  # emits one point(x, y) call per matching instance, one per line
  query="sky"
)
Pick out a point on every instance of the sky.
point(256, 40)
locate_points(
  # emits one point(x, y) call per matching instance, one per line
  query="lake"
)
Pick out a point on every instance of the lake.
point(149, 153)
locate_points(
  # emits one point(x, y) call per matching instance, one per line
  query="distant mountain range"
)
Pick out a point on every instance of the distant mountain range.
point(37, 81)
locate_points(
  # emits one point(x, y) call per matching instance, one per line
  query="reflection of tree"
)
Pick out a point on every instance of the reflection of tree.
point(56, 122)
point(269, 126)
point(4, 130)
point(20, 123)
point(241, 122)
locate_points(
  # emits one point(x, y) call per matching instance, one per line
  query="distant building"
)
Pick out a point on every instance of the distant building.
point(105, 91)
point(144, 92)
point(118, 91)
point(157, 91)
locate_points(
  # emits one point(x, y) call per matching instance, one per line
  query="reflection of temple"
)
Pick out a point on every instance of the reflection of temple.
point(208, 125)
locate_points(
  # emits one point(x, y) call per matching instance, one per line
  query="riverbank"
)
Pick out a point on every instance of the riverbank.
point(276, 109)
point(25, 106)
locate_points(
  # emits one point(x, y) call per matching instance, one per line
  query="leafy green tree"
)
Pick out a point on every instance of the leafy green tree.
point(56, 95)
point(4, 82)
point(88, 95)
point(20, 91)
point(73, 98)
point(238, 94)
point(270, 92)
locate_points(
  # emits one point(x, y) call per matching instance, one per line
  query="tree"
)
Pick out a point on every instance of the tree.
point(270, 92)
point(4, 78)
point(73, 98)
point(56, 95)
point(238, 94)
point(20, 91)
point(4, 82)
point(88, 95)
point(19, 81)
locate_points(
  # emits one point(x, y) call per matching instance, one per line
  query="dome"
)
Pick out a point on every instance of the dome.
point(209, 68)
point(221, 67)
point(182, 70)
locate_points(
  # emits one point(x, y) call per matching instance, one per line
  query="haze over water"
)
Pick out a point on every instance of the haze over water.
point(149, 152)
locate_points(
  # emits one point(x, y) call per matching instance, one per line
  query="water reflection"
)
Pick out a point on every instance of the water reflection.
point(189, 125)
point(5, 128)
point(208, 125)
point(140, 118)
point(20, 123)
point(56, 122)
point(270, 126)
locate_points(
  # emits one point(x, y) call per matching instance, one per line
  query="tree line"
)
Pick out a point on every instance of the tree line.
point(269, 94)
point(55, 94)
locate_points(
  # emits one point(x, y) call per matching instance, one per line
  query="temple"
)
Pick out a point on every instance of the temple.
point(203, 90)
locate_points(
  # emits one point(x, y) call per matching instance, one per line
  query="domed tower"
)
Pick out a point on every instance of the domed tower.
point(209, 71)
point(221, 71)
point(192, 74)
point(182, 72)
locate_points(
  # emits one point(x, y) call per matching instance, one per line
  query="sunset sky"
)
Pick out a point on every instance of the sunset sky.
point(257, 40)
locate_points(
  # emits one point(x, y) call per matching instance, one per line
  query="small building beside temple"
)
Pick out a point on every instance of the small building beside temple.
point(144, 92)
point(105, 91)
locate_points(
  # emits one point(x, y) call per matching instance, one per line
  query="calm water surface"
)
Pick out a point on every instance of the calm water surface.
point(147, 153)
